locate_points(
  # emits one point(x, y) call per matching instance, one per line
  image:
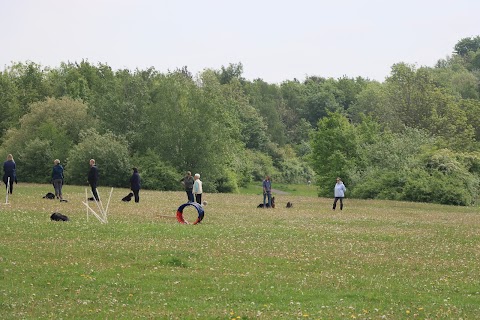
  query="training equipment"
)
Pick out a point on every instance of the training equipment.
point(8, 186)
point(200, 210)
point(102, 217)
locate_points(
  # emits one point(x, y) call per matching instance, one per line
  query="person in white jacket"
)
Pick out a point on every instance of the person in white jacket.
point(339, 192)
point(197, 188)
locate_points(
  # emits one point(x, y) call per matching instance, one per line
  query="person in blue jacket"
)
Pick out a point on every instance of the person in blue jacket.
point(267, 192)
point(57, 178)
point(9, 171)
point(339, 193)
point(135, 184)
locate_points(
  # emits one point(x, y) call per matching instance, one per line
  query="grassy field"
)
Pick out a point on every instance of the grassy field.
point(374, 260)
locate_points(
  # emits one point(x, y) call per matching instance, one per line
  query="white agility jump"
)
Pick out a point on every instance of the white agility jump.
point(102, 217)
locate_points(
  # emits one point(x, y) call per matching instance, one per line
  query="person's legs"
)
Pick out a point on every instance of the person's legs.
point(94, 191)
point(198, 198)
point(269, 195)
point(11, 186)
point(264, 198)
point(335, 203)
point(136, 193)
point(341, 203)
point(57, 184)
point(190, 195)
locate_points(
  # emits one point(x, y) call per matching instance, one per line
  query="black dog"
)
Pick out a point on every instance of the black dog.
point(128, 197)
point(267, 205)
point(289, 205)
point(49, 196)
point(56, 216)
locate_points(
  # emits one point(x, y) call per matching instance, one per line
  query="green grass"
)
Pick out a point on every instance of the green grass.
point(374, 260)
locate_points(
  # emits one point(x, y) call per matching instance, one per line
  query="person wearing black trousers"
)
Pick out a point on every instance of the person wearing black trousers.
point(135, 184)
point(9, 171)
point(93, 178)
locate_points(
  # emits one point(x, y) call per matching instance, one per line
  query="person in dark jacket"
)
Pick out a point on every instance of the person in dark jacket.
point(9, 171)
point(135, 184)
point(57, 178)
point(187, 183)
point(93, 178)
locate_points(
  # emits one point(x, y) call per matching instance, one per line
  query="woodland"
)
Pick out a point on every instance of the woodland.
point(413, 137)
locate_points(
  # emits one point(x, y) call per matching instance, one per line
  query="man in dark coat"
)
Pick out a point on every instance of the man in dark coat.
point(93, 178)
point(187, 183)
point(135, 184)
point(9, 171)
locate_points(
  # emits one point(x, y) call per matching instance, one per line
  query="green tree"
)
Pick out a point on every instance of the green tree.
point(334, 151)
point(55, 125)
point(466, 45)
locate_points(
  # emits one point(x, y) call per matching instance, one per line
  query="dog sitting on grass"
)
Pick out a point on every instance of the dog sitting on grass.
point(267, 205)
point(128, 197)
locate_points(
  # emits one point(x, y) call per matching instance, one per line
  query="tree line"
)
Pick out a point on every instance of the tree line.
point(413, 137)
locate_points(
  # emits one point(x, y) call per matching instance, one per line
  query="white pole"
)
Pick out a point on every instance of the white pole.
point(86, 200)
point(8, 186)
point(98, 203)
point(94, 213)
point(108, 203)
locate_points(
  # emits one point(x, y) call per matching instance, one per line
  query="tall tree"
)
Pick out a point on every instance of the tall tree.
point(334, 151)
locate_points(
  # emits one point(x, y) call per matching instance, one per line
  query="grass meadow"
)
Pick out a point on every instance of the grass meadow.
point(374, 260)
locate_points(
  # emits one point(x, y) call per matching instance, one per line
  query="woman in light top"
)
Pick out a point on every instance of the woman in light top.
point(339, 192)
point(197, 188)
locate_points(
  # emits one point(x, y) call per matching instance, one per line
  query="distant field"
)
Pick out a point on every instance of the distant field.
point(374, 260)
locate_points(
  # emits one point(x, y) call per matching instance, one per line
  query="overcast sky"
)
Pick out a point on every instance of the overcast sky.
point(274, 40)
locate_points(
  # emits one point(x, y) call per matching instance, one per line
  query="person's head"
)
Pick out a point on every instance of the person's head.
point(339, 180)
point(56, 161)
point(267, 178)
point(92, 162)
point(197, 176)
point(9, 157)
point(189, 173)
point(135, 169)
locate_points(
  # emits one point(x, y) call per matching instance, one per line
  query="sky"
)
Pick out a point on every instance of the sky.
point(274, 40)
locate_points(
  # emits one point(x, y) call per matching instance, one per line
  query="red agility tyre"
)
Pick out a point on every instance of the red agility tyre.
point(201, 212)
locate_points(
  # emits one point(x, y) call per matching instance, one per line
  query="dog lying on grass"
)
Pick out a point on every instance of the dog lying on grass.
point(56, 216)
point(49, 195)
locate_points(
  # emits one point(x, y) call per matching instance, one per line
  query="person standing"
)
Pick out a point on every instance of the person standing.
point(57, 178)
point(267, 192)
point(135, 184)
point(93, 178)
point(197, 188)
point(9, 171)
point(187, 183)
point(339, 193)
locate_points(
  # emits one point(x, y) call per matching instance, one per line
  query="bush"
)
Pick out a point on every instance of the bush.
point(110, 153)
point(440, 188)
point(34, 162)
point(156, 174)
